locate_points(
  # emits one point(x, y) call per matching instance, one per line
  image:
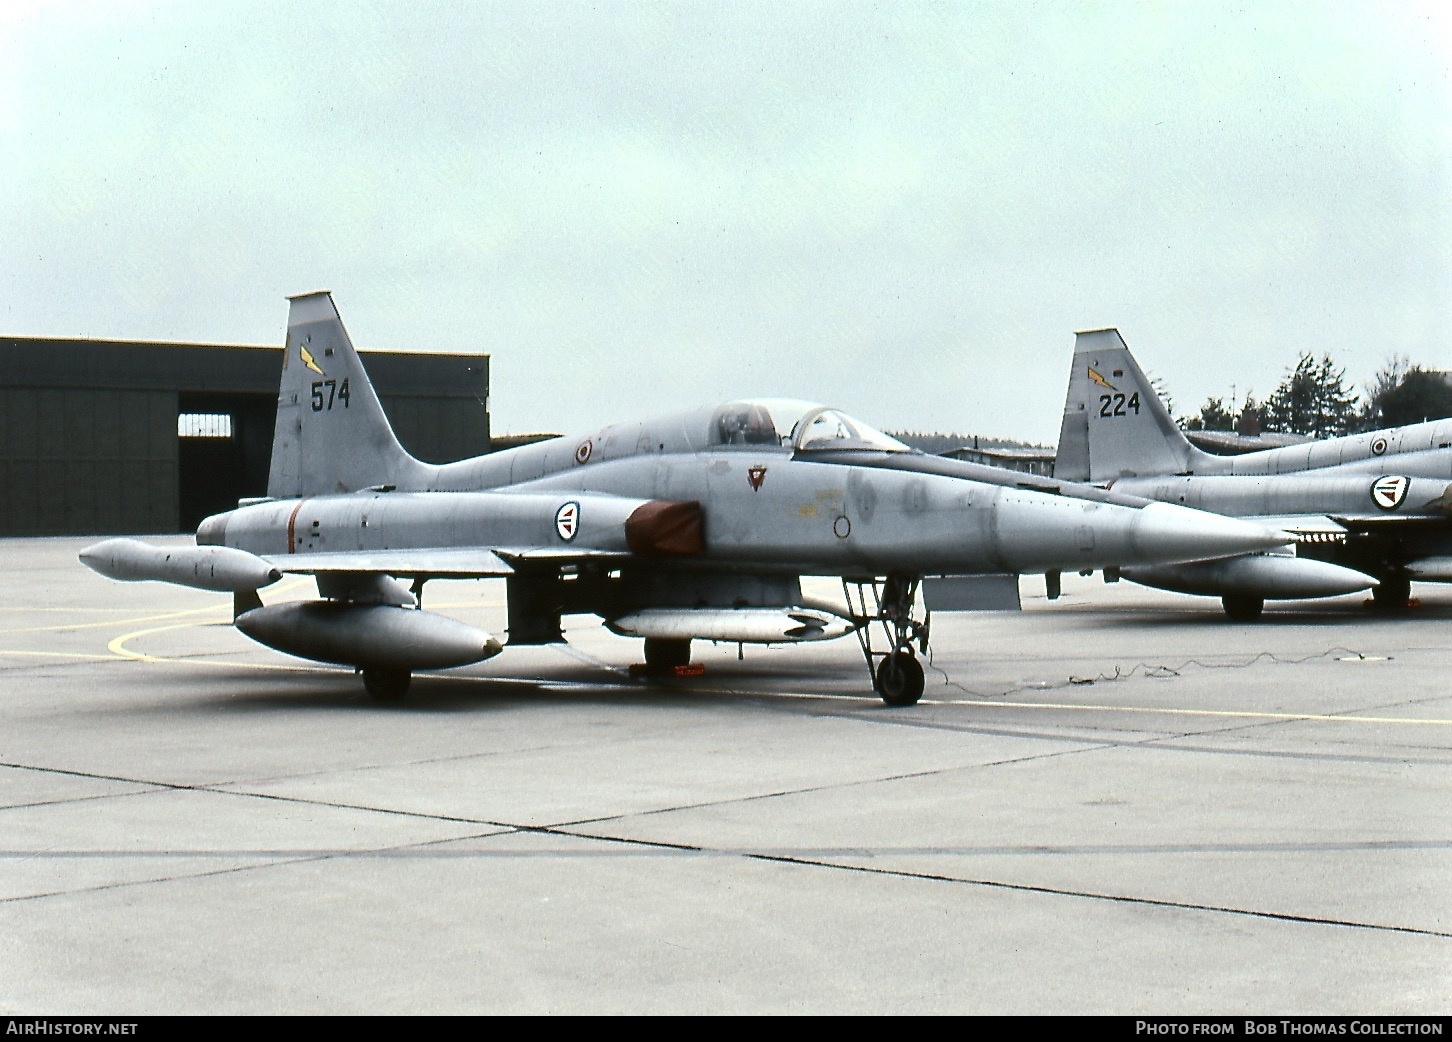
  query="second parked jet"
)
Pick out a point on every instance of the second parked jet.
point(1374, 507)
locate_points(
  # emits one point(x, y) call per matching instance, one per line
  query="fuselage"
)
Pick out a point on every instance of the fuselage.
point(832, 505)
point(1419, 450)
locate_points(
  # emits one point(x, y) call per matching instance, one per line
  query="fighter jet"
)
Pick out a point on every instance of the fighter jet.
point(696, 526)
point(1368, 508)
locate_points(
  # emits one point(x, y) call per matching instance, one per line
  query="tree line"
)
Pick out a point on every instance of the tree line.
point(1314, 400)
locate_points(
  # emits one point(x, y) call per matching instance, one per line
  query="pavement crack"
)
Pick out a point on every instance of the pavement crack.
point(1126, 899)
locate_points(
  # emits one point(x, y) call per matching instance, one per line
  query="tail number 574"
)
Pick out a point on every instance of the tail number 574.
point(326, 392)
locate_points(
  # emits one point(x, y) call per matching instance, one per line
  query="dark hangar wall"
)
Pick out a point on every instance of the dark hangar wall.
point(89, 441)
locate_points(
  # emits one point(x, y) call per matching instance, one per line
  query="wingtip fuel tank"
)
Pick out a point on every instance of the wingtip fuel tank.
point(1272, 576)
point(222, 569)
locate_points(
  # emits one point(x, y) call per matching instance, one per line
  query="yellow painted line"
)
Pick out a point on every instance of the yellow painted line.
point(118, 647)
point(118, 650)
point(56, 654)
point(221, 606)
point(33, 610)
point(1227, 713)
point(1086, 707)
point(155, 617)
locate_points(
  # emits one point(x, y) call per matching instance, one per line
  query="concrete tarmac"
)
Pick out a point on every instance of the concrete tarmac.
point(1118, 802)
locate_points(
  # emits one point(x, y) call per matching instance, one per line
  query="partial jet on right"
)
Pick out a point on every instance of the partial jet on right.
point(1366, 509)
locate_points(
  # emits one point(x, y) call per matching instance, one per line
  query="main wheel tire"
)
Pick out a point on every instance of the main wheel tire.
point(386, 685)
point(1243, 607)
point(899, 679)
point(1392, 594)
point(661, 653)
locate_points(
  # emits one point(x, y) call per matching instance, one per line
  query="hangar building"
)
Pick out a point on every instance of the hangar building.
point(102, 437)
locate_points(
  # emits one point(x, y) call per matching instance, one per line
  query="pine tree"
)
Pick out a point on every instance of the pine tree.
point(1214, 415)
point(1313, 400)
point(1403, 393)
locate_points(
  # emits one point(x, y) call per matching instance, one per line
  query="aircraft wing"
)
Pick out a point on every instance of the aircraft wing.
point(1301, 524)
point(1325, 526)
point(1366, 522)
point(441, 562)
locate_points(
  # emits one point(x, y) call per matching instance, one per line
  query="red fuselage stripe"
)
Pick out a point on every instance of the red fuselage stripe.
point(291, 522)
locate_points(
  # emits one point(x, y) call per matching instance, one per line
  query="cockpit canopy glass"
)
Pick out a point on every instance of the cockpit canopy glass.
point(745, 423)
point(805, 426)
point(827, 429)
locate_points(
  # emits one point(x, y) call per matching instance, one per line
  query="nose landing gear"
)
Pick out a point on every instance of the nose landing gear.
point(897, 674)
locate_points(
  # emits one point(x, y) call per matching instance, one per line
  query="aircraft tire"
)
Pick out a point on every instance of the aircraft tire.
point(899, 679)
point(663, 653)
point(1243, 607)
point(1392, 594)
point(386, 685)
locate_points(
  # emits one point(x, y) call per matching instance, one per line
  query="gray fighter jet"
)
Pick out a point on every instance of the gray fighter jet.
point(1369, 508)
point(696, 526)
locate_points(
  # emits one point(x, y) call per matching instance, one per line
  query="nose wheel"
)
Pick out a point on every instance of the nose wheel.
point(896, 672)
point(899, 679)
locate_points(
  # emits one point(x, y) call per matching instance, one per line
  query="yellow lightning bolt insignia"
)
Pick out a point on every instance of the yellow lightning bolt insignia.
point(308, 361)
point(1093, 375)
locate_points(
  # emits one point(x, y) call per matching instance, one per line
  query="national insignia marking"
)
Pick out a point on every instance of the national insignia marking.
point(1389, 491)
point(584, 450)
point(567, 520)
point(756, 475)
point(1378, 447)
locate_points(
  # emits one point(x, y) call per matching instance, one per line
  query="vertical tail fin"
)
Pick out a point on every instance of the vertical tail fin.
point(331, 433)
point(1114, 423)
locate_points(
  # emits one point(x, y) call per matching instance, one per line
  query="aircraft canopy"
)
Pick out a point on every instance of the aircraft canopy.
point(805, 426)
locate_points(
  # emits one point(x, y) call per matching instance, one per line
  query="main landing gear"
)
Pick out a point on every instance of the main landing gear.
point(1392, 594)
point(663, 654)
point(897, 674)
point(386, 685)
point(1242, 607)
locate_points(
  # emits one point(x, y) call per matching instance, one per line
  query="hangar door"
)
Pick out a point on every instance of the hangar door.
point(224, 442)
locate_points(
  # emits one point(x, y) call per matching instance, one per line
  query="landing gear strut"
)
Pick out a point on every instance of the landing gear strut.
point(386, 685)
point(1242, 607)
point(1392, 594)
point(896, 673)
point(663, 653)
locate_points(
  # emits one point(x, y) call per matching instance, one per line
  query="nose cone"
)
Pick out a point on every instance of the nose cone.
point(1166, 534)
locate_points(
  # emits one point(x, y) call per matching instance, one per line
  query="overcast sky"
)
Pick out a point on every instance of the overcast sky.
point(904, 209)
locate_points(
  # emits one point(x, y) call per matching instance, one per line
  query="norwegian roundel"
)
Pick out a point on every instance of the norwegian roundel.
point(1388, 492)
point(567, 520)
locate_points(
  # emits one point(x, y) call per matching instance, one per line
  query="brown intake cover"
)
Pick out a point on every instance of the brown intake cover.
point(663, 527)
